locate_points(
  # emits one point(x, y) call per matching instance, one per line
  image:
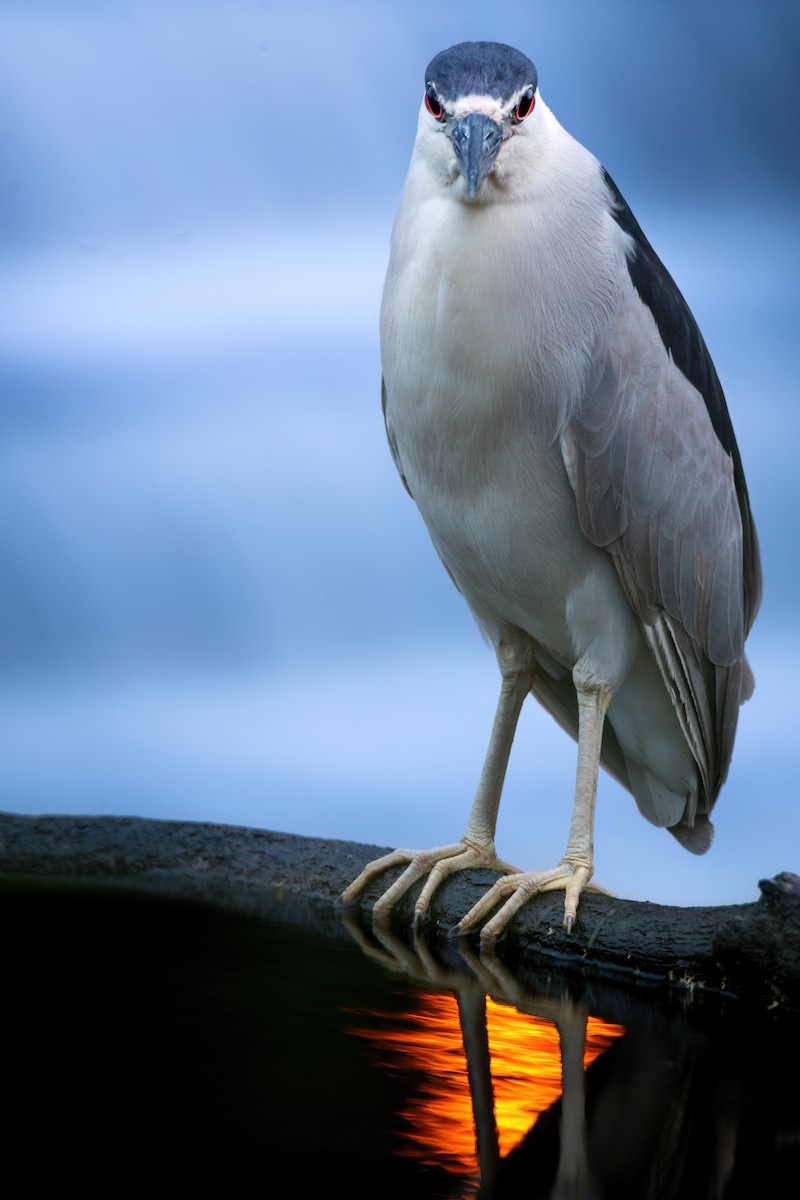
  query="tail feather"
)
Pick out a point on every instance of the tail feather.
point(697, 837)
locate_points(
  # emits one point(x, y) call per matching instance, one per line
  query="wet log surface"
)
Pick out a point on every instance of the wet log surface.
point(751, 951)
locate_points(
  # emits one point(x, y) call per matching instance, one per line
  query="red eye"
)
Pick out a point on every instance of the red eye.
point(525, 106)
point(433, 104)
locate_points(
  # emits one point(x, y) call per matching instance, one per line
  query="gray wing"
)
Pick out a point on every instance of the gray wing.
point(390, 436)
point(658, 482)
point(392, 440)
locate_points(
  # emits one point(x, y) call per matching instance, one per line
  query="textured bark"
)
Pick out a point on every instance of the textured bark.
point(749, 950)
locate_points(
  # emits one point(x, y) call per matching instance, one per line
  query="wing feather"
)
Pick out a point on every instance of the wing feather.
point(392, 439)
point(658, 482)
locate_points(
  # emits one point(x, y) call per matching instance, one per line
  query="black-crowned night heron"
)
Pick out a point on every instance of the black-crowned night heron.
point(553, 410)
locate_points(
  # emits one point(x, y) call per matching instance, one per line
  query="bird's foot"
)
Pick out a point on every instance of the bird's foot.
point(438, 864)
point(515, 890)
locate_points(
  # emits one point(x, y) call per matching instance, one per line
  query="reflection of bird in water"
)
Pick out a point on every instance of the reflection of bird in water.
point(673, 1107)
point(553, 410)
point(520, 1054)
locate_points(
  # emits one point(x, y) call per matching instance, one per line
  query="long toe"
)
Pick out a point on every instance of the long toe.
point(438, 864)
point(513, 891)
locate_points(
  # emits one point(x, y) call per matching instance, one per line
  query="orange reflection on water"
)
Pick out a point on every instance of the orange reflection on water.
point(526, 1065)
point(426, 1042)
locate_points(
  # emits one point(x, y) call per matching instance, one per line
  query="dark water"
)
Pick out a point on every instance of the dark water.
point(153, 1043)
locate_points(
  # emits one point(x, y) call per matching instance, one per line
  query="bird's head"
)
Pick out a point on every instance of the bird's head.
point(478, 95)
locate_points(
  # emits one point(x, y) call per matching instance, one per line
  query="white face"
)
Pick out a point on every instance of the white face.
point(438, 121)
point(498, 111)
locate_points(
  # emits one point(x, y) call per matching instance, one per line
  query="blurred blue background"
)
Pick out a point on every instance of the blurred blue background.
point(217, 602)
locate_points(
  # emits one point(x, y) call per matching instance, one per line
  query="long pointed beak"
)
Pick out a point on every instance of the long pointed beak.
point(476, 140)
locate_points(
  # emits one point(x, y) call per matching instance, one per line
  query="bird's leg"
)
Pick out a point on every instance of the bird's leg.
point(476, 848)
point(575, 869)
point(572, 1177)
point(518, 669)
point(579, 854)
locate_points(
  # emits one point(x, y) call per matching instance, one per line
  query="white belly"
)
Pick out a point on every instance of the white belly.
point(505, 524)
point(476, 401)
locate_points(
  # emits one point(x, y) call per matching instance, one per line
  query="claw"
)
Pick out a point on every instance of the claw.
point(419, 919)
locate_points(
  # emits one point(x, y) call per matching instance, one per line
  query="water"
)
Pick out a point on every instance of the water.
point(151, 1038)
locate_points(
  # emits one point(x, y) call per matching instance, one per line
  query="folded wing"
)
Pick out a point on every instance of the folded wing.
point(659, 484)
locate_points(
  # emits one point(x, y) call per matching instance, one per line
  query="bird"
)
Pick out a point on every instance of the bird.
point(552, 409)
